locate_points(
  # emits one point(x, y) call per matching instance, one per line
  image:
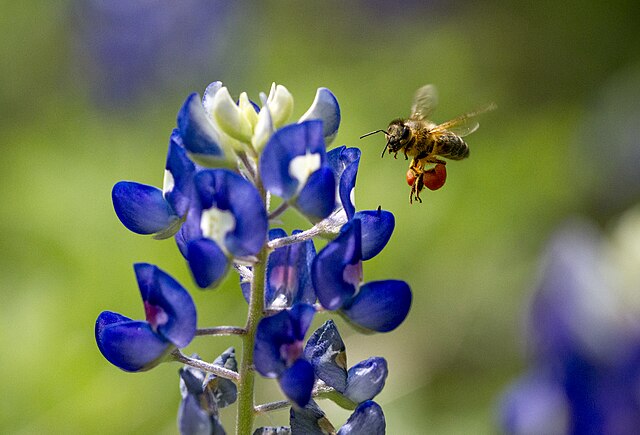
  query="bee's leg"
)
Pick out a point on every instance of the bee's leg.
point(434, 159)
point(418, 183)
point(405, 154)
point(395, 155)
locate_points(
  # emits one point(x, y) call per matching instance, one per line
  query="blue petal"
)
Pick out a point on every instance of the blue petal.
point(341, 157)
point(207, 262)
point(326, 352)
point(192, 419)
point(328, 269)
point(209, 93)
point(227, 359)
point(159, 289)
point(197, 131)
point(334, 160)
point(344, 163)
point(245, 287)
point(190, 229)
point(325, 107)
point(301, 318)
point(285, 328)
point(573, 257)
point(182, 170)
point(229, 191)
point(309, 420)
point(289, 272)
point(224, 390)
point(317, 198)
point(128, 344)
point(305, 253)
point(272, 332)
point(191, 380)
point(367, 419)
point(284, 145)
point(297, 382)
point(366, 379)
point(142, 208)
point(380, 305)
point(347, 184)
point(377, 227)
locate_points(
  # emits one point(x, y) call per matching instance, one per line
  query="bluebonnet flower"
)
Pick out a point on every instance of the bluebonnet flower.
point(367, 419)
point(135, 345)
point(278, 352)
point(201, 137)
point(229, 221)
point(294, 167)
point(288, 274)
point(203, 395)
point(146, 209)
point(133, 50)
point(337, 278)
point(377, 225)
point(327, 354)
point(586, 358)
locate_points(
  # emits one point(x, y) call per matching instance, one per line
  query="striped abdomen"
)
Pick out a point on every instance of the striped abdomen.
point(451, 146)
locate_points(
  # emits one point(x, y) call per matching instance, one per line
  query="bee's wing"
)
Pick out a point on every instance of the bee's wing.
point(463, 125)
point(424, 102)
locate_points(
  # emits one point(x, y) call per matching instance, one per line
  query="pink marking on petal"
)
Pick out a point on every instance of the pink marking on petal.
point(155, 315)
point(291, 352)
point(283, 277)
point(353, 274)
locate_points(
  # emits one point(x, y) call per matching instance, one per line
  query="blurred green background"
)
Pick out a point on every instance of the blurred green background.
point(89, 92)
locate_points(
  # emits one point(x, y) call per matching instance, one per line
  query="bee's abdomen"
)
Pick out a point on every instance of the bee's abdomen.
point(451, 146)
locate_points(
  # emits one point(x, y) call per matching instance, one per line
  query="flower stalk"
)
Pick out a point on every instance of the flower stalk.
point(226, 159)
point(245, 414)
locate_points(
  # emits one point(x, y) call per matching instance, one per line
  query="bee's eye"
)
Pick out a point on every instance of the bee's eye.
point(405, 132)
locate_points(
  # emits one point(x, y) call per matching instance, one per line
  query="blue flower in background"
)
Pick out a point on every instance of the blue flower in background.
point(134, 50)
point(294, 167)
point(327, 353)
point(278, 352)
point(337, 278)
point(135, 345)
point(230, 221)
point(585, 375)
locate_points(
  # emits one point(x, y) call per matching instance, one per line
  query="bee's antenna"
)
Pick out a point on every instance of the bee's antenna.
point(385, 149)
point(374, 132)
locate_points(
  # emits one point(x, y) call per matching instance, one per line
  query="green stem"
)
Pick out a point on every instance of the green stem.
point(246, 414)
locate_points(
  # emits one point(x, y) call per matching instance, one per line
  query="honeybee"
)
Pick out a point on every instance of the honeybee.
point(427, 142)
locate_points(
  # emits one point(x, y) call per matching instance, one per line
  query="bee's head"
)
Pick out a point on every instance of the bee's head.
point(398, 135)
